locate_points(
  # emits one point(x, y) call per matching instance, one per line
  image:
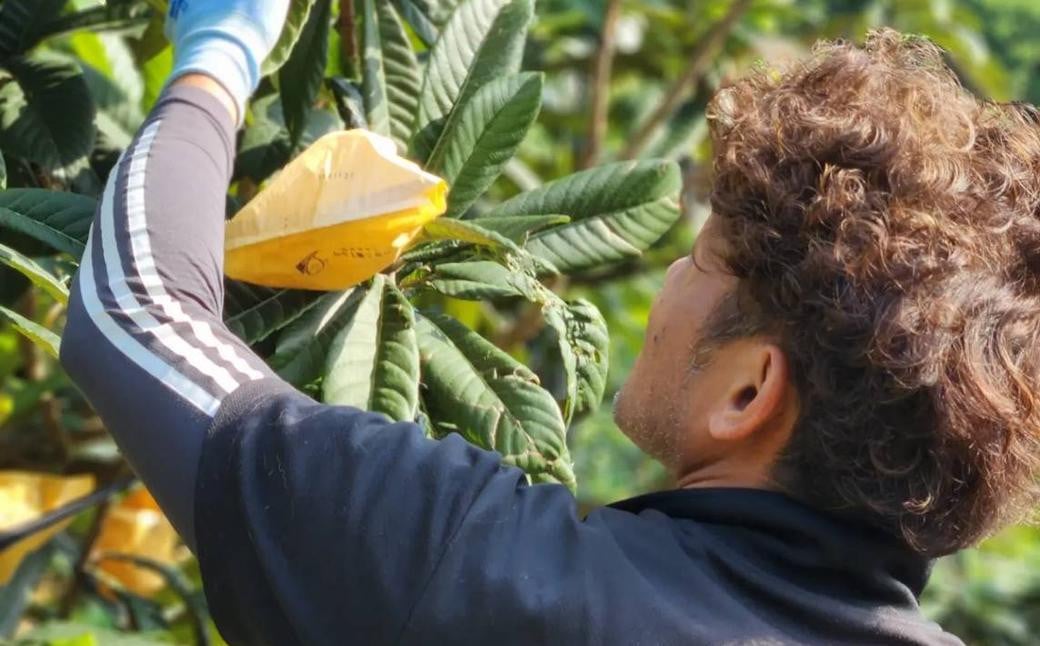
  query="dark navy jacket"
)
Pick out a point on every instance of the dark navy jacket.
point(324, 525)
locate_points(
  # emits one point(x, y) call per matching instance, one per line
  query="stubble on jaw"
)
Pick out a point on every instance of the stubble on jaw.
point(653, 426)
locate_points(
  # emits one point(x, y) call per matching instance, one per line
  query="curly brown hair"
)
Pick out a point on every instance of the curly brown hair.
point(885, 227)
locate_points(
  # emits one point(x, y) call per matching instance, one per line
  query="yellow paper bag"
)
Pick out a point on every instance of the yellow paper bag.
point(25, 497)
point(339, 213)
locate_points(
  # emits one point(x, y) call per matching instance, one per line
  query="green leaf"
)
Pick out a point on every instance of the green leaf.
point(555, 315)
point(154, 72)
point(452, 231)
point(60, 220)
point(39, 276)
point(254, 313)
point(115, 83)
point(473, 388)
point(152, 41)
point(299, 356)
point(114, 16)
point(47, 116)
point(21, 22)
point(41, 336)
point(519, 228)
point(300, 78)
point(374, 361)
point(485, 135)
point(466, 231)
point(299, 10)
point(3, 173)
point(589, 339)
point(58, 633)
point(483, 41)
point(481, 280)
point(617, 211)
point(266, 145)
point(391, 81)
point(417, 14)
point(16, 594)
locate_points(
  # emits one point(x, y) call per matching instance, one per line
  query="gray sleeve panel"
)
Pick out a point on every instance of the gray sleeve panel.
point(145, 340)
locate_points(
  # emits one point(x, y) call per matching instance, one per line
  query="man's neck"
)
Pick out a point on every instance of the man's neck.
point(725, 473)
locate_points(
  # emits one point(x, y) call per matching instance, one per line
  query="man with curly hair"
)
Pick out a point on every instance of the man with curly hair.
point(841, 376)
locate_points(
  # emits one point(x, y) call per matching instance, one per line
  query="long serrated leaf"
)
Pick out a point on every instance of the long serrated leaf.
point(373, 85)
point(254, 313)
point(41, 336)
point(392, 79)
point(480, 280)
point(3, 173)
point(519, 228)
point(39, 276)
point(617, 211)
point(47, 116)
point(589, 337)
point(299, 356)
point(555, 316)
point(473, 388)
point(463, 231)
point(60, 220)
point(299, 10)
point(301, 75)
point(483, 41)
point(374, 361)
point(451, 229)
point(484, 135)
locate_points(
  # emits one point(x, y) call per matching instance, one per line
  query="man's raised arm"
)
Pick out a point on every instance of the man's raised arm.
point(311, 522)
point(145, 340)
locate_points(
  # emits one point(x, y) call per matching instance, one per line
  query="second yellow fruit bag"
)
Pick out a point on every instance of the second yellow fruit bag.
point(338, 214)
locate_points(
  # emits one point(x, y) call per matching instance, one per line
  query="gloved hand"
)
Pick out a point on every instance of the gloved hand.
point(225, 39)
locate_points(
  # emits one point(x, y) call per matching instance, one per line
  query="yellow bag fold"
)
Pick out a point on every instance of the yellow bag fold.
point(343, 210)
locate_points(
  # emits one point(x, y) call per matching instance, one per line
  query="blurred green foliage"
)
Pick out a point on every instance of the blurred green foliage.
point(990, 595)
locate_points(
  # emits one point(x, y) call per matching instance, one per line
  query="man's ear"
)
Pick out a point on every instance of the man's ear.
point(757, 393)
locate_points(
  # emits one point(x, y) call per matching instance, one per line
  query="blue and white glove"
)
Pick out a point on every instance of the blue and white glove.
point(226, 40)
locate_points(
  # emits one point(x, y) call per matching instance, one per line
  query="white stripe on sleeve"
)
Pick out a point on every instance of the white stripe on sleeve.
point(148, 361)
point(141, 316)
point(144, 261)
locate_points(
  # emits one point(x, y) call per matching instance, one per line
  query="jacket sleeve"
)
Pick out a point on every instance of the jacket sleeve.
point(144, 340)
point(323, 524)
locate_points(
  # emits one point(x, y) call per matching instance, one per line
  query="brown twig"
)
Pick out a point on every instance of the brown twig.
point(247, 190)
point(600, 84)
point(348, 35)
point(36, 370)
point(700, 59)
point(79, 571)
point(32, 363)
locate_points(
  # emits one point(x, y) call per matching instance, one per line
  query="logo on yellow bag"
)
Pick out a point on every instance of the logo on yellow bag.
point(342, 211)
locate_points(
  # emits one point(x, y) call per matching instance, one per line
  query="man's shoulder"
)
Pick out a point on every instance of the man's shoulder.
point(754, 566)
